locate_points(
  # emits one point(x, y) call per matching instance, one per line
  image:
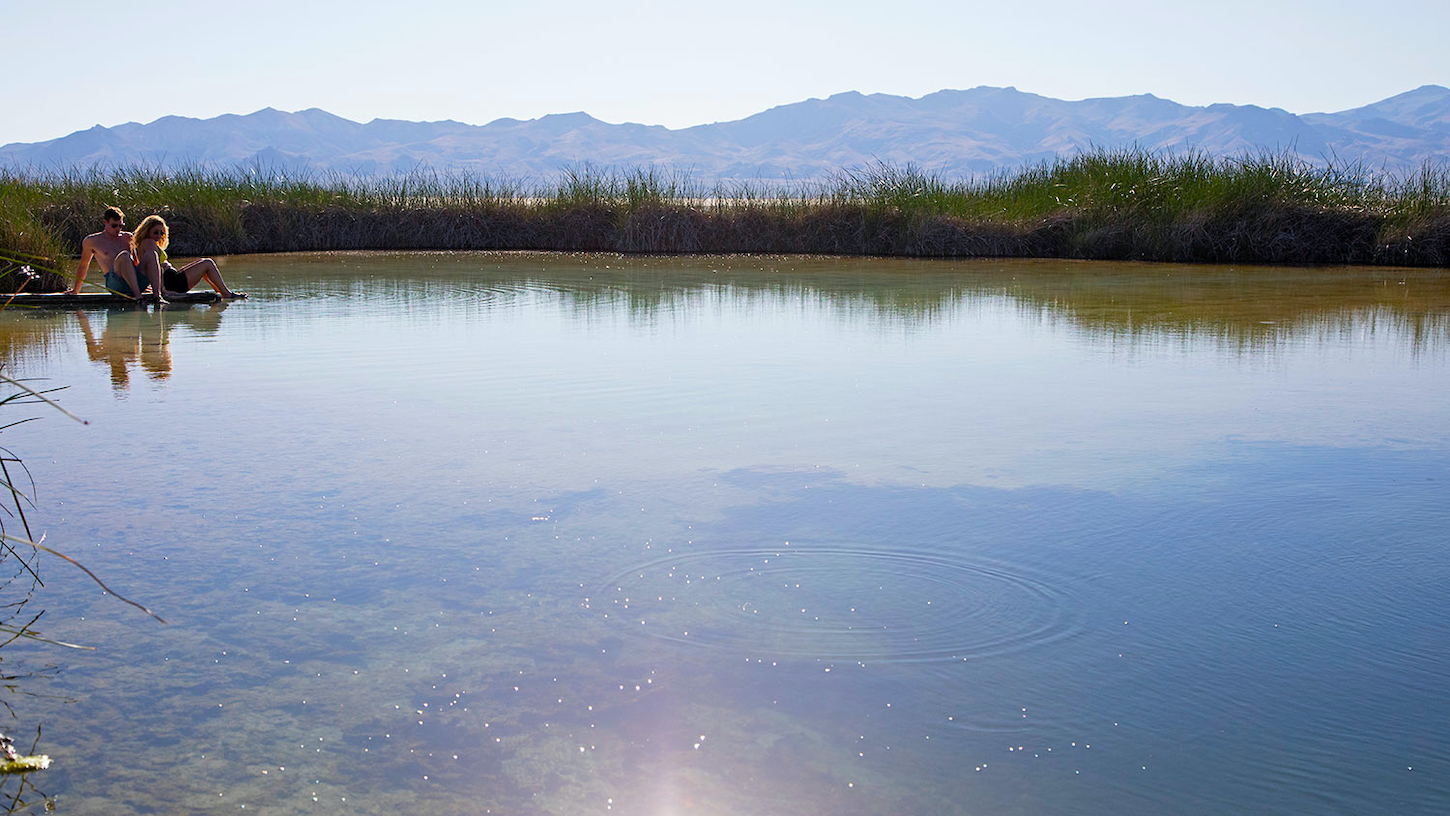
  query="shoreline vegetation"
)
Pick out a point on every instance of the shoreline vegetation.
point(1102, 205)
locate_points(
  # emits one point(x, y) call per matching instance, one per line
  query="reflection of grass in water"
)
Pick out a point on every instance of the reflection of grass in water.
point(1245, 309)
point(27, 337)
point(1242, 308)
point(1216, 299)
point(1239, 308)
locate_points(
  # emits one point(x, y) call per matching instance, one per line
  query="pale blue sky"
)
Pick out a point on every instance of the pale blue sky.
point(78, 63)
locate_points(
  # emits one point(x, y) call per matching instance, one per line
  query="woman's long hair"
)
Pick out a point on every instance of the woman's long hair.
point(143, 231)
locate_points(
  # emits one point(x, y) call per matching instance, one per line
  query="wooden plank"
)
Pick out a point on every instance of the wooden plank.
point(94, 299)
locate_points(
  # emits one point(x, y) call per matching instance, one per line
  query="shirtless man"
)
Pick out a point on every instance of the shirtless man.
point(104, 246)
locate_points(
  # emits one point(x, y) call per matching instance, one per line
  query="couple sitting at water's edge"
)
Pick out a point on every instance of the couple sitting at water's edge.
point(134, 261)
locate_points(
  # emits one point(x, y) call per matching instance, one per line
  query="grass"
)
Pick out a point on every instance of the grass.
point(1111, 205)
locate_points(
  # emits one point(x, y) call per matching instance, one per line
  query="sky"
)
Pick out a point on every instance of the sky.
point(79, 63)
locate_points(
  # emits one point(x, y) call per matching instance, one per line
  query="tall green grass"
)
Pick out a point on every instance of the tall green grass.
point(1122, 204)
point(25, 241)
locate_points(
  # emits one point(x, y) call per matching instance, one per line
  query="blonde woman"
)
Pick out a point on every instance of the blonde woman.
point(147, 257)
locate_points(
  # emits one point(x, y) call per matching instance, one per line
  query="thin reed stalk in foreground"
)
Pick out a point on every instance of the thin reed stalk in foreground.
point(23, 394)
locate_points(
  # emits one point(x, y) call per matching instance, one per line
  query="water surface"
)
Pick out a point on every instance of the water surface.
point(530, 534)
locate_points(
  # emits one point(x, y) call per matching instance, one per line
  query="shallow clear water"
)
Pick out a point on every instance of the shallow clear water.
point(539, 534)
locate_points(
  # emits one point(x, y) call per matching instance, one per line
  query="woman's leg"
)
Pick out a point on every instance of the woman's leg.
point(206, 269)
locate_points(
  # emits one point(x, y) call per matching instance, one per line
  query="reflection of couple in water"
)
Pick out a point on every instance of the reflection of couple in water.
point(134, 336)
point(135, 261)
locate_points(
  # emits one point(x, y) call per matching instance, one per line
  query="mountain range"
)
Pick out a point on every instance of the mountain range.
point(952, 132)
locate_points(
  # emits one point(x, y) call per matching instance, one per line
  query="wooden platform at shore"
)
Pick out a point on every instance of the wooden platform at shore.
point(84, 299)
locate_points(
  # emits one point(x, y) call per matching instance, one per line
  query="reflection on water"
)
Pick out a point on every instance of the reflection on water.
point(557, 534)
point(129, 337)
point(1245, 308)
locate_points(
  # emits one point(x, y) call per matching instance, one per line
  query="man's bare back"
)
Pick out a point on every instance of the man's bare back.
point(103, 246)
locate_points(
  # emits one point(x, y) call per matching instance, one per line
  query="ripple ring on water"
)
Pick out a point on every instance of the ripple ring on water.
point(833, 602)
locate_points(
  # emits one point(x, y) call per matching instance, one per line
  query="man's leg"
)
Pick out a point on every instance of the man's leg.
point(126, 272)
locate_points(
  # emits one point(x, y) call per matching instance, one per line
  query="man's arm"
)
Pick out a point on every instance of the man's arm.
point(93, 349)
point(88, 250)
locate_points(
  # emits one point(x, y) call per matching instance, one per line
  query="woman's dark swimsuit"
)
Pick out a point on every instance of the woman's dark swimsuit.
point(175, 280)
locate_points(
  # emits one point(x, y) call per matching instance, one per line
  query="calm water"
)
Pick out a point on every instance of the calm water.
point(536, 534)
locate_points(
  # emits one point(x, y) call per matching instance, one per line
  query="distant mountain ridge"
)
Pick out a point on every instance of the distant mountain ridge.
point(952, 132)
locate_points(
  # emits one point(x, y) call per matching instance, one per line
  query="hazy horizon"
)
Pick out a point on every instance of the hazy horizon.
point(654, 63)
point(592, 115)
point(954, 132)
